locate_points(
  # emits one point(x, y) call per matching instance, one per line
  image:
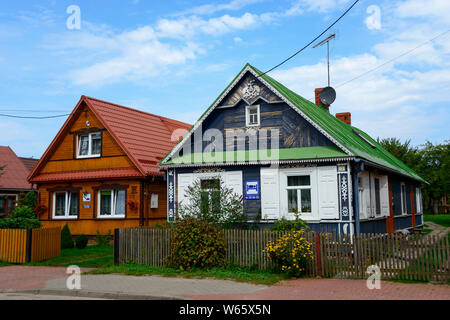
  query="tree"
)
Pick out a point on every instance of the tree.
point(434, 168)
point(210, 200)
point(403, 151)
point(429, 161)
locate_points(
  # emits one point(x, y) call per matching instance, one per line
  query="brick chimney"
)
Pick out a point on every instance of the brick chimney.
point(317, 92)
point(345, 117)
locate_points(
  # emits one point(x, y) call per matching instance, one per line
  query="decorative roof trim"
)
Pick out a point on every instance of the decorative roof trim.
point(224, 94)
point(243, 163)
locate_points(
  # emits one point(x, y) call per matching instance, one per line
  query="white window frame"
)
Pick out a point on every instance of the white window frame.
point(113, 214)
point(299, 194)
point(404, 204)
point(67, 205)
point(89, 155)
point(283, 176)
point(247, 116)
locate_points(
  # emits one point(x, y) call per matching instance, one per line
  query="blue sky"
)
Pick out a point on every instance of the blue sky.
point(173, 58)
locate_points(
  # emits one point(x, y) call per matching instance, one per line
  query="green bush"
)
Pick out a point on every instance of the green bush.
point(197, 244)
point(81, 241)
point(66, 238)
point(289, 225)
point(102, 239)
point(211, 200)
point(22, 217)
point(29, 200)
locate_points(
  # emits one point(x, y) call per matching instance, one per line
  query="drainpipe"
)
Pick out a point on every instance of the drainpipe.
point(356, 193)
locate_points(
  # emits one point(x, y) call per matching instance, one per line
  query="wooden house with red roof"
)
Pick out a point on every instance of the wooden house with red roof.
point(101, 170)
point(13, 179)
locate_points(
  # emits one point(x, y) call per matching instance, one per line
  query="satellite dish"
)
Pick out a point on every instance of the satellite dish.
point(327, 95)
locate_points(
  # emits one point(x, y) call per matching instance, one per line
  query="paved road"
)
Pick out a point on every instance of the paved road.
point(52, 281)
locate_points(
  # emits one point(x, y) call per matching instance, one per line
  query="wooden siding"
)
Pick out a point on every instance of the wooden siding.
point(87, 221)
point(64, 156)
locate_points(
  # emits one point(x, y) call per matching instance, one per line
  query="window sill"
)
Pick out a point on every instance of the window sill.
point(65, 218)
point(88, 157)
point(110, 217)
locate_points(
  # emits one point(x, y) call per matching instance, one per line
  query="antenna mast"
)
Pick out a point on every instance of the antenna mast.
point(327, 41)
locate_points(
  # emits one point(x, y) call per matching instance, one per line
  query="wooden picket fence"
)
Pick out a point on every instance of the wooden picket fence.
point(413, 257)
point(21, 246)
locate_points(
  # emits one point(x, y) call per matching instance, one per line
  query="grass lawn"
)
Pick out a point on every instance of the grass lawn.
point(442, 219)
point(91, 256)
point(231, 273)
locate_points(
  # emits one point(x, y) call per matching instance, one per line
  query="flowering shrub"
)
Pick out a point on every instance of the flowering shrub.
point(40, 209)
point(132, 204)
point(291, 253)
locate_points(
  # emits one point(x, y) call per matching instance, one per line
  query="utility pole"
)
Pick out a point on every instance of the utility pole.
point(327, 41)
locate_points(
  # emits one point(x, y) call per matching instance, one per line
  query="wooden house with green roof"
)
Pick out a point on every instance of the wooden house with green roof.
point(287, 156)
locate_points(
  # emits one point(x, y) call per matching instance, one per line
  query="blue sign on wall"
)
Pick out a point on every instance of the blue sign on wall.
point(251, 188)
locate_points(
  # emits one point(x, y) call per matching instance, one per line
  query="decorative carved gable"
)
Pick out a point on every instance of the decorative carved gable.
point(249, 89)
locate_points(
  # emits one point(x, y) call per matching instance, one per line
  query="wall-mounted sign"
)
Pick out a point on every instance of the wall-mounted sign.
point(251, 188)
point(86, 206)
point(86, 197)
point(154, 201)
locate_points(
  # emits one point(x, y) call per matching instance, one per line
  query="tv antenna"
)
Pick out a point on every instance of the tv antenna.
point(327, 41)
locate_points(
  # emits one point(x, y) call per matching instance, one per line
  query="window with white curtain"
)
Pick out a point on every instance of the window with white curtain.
point(403, 198)
point(89, 145)
point(65, 204)
point(111, 203)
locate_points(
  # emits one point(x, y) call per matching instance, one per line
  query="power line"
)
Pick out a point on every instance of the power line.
point(38, 118)
point(393, 59)
point(312, 41)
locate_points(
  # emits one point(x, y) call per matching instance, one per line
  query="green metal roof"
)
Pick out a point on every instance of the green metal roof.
point(324, 152)
point(341, 132)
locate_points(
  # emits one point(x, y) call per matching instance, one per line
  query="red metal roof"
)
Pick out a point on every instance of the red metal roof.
point(144, 137)
point(15, 173)
point(117, 173)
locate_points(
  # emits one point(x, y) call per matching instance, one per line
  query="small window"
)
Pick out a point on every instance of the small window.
point(111, 203)
point(89, 145)
point(252, 116)
point(403, 198)
point(65, 205)
point(299, 194)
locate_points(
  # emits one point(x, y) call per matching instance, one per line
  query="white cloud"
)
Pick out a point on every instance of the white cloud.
point(215, 7)
point(235, 39)
point(322, 6)
point(439, 9)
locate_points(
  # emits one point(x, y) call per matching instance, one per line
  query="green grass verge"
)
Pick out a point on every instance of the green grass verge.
point(229, 273)
point(441, 219)
point(91, 256)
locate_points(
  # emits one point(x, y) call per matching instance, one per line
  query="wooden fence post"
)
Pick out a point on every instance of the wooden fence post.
point(116, 246)
point(28, 245)
point(318, 253)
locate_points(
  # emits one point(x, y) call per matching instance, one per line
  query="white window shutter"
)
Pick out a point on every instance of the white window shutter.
point(184, 181)
point(233, 180)
point(384, 196)
point(328, 192)
point(270, 193)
